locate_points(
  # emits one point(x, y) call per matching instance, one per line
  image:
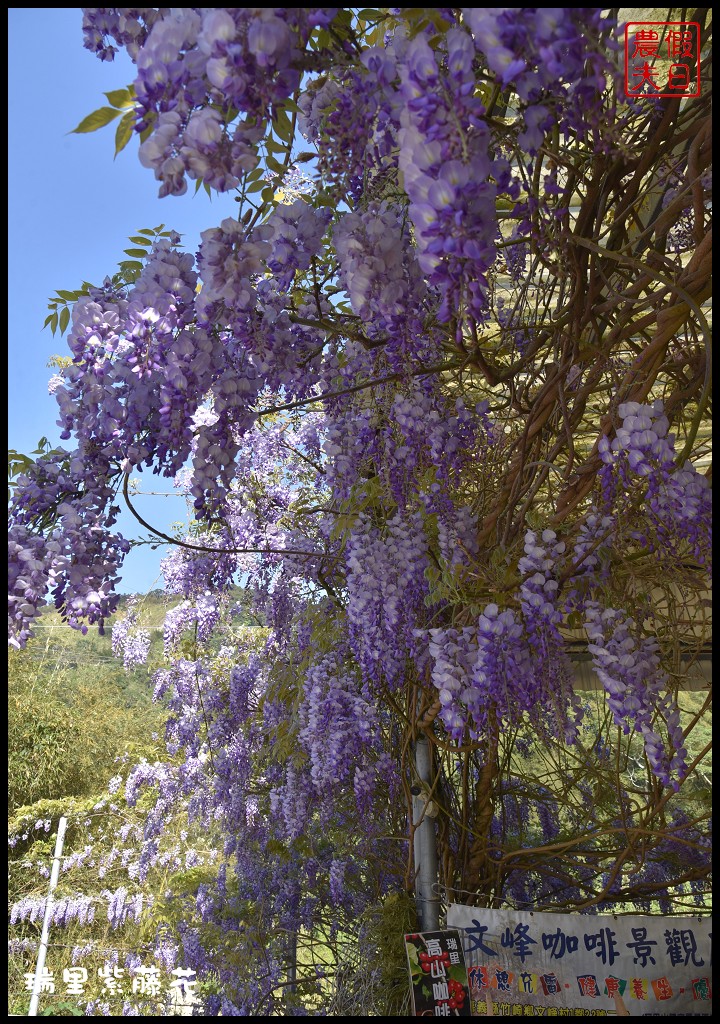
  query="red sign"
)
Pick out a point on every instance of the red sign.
point(662, 58)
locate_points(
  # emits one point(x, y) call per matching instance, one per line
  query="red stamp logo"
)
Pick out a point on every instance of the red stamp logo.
point(662, 58)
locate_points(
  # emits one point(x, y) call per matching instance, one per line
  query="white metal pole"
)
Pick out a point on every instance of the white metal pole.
point(42, 951)
point(426, 871)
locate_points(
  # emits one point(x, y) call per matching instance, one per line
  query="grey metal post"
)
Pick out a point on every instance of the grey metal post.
point(42, 951)
point(292, 968)
point(425, 850)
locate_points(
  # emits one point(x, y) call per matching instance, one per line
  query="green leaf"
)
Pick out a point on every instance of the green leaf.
point(137, 253)
point(98, 119)
point(48, 318)
point(229, 114)
point(64, 319)
point(256, 186)
point(124, 131)
point(17, 462)
point(273, 146)
point(62, 1010)
point(120, 97)
point(53, 322)
point(68, 296)
point(302, 158)
point(139, 240)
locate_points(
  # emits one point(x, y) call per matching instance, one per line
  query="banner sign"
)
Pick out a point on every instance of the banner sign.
point(438, 978)
point(560, 965)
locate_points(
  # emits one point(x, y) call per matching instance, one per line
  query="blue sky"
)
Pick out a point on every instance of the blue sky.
point(71, 208)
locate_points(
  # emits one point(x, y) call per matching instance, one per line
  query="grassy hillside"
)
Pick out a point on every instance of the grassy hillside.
point(73, 709)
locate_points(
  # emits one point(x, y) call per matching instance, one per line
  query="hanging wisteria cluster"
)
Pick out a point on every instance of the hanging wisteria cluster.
point(423, 417)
